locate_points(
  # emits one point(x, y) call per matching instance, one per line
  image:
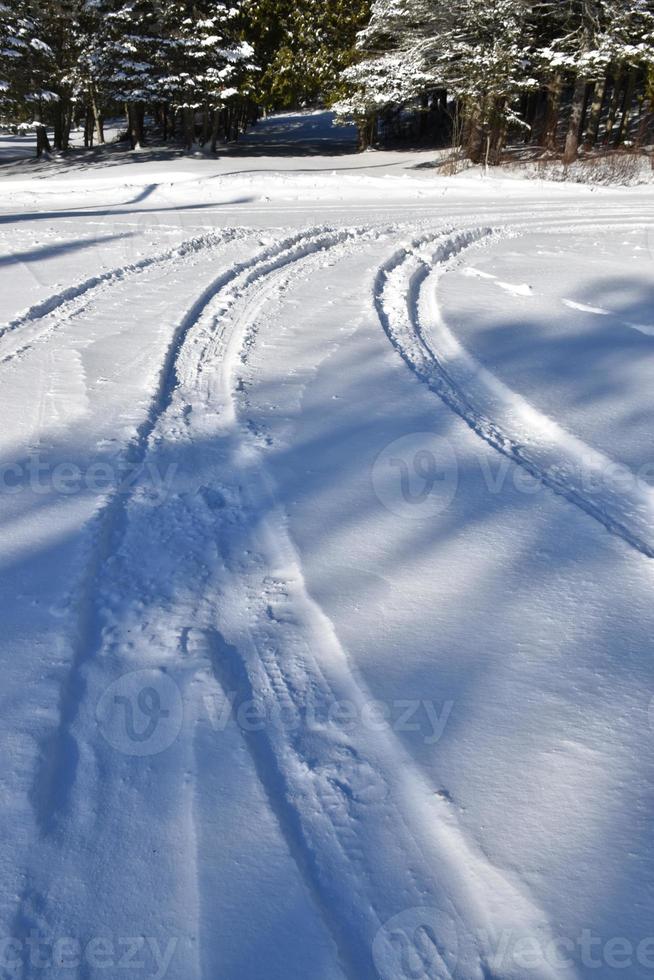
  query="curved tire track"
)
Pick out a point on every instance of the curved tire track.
point(367, 835)
point(407, 309)
point(109, 524)
point(365, 831)
point(78, 791)
point(71, 301)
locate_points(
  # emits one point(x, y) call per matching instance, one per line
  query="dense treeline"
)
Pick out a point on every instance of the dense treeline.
point(199, 70)
point(558, 73)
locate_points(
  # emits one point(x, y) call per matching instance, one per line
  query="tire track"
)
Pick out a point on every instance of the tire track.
point(83, 790)
point(50, 790)
point(405, 299)
point(71, 301)
point(367, 835)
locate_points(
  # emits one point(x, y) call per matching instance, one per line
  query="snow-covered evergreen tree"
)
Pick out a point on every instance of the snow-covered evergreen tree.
point(501, 61)
point(37, 45)
point(123, 55)
point(475, 49)
point(16, 32)
point(203, 64)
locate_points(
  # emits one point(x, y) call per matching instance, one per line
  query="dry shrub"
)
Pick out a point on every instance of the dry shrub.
point(617, 167)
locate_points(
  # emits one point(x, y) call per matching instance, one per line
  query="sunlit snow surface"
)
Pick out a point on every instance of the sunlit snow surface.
point(326, 567)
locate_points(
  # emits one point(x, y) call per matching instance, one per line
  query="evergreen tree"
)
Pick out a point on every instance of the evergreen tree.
point(203, 63)
point(499, 59)
point(16, 32)
point(303, 46)
point(34, 73)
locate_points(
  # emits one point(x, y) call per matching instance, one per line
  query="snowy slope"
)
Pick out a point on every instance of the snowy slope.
point(326, 570)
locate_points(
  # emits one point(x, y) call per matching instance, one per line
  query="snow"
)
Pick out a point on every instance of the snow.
point(326, 568)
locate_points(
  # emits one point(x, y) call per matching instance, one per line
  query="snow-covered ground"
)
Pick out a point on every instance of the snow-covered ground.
point(326, 569)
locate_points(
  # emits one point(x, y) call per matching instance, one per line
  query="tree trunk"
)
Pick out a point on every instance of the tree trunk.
point(42, 141)
point(188, 125)
point(473, 139)
point(592, 131)
point(233, 124)
point(136, 123)
point(206, 124)
point(496, 137)
point(366, 132)
point(458, 127)
point(554, 95)
point(88, 128)
point(63, 118)
point(627, 101)
point(163, 121)
point(67, 122)
point(645, 124)
point(530, 113)
point(215, 126)
point(613, 106)
point(576, 122)
point(57, 134)
point(97, 116)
